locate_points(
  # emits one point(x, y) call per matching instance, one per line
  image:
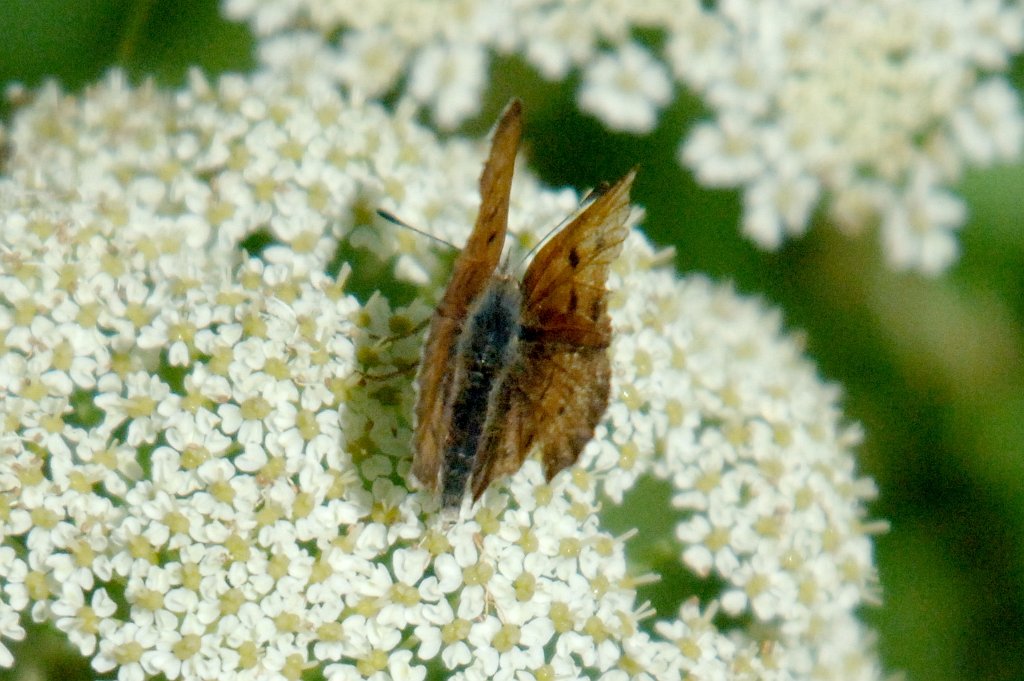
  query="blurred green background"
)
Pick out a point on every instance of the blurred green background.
point(932, 368)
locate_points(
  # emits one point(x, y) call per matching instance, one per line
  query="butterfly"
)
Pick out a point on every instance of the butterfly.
point(511, 366)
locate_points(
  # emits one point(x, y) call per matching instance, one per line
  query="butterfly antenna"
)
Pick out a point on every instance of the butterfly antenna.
point(592, 196)
point(394, 219)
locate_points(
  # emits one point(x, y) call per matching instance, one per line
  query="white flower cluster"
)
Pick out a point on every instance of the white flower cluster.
point(760, 467)
point(205, 438)
point(875, 107)
point(867, 111)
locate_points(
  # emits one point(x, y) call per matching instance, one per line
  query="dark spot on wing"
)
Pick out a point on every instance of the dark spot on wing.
point(574, 258)
point(573, 301)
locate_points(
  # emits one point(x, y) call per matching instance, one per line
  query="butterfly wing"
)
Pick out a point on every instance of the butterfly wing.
point(559, 389)
point(471, 273)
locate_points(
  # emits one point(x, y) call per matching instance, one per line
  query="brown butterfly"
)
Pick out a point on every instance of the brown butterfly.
point(510, 366)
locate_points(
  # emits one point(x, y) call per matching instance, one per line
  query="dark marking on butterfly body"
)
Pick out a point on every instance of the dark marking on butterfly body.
point(485, 353)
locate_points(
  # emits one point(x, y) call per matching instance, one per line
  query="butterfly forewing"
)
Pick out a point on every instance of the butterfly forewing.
point(564, 286)
point(471, 274)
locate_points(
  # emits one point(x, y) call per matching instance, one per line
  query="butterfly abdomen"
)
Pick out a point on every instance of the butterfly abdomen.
point(485, 351)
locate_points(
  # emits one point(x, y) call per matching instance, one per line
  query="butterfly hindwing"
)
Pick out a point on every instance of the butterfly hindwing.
point(545, 406)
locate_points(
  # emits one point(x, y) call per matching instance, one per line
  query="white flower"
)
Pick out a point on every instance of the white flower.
point(80, 621)
point(779, 205)
point(987, 126)
point(559, 39)
point(918, 228)
point(449, 78)
point(121, 647)
point(15, 597)
point(370, 61)
point(725, 151)
point(851, 96)
point(626, 89)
